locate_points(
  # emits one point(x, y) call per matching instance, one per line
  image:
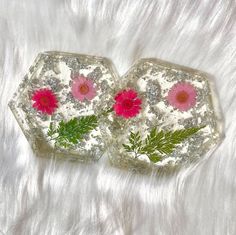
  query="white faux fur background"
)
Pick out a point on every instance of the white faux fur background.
point(45, 197)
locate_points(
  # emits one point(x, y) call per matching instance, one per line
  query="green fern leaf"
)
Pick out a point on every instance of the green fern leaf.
point(158, 143)
point(154, 158)
point(166, 142)
point(127, 148)
point(71, 132)
point(51, 130)
point(135, 143)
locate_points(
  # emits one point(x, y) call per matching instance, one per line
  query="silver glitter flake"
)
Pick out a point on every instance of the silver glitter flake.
point(153, 92)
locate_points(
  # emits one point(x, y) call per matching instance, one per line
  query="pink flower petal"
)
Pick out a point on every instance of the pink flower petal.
point(44, 101)
point(91, 95)
point(119, 97)
point(131, 94)
point(127, 103)
point(77, 82)
point(137, 102)
point(177, 92)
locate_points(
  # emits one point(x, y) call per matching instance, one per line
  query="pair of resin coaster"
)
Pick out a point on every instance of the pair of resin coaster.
point(77, 107)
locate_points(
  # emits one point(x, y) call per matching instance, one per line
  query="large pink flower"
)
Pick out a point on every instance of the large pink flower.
point(83, 88)
point(127, 104)
point(182, 96)
point(45, 101)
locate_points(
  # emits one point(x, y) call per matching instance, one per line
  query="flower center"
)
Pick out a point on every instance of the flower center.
point(44, 101)
point(127, 104)
point(84, 89)
point(182, 96)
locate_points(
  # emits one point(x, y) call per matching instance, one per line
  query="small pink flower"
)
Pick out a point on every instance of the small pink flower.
point(182, 96)
point(45, 101)
point(83, 88)
point(127, 104)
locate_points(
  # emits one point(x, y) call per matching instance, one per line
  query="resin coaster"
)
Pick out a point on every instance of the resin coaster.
point(61, 102)
point(164, 115)
point(157, 115)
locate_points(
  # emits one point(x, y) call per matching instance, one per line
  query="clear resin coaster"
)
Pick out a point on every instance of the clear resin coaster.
point(60, 103)
point(164, 116)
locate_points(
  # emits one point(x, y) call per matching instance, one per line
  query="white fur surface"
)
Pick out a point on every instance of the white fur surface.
point(43, 197)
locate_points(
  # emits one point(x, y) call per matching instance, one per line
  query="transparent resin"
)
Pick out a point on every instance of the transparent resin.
point(153, 79)
point(55, 71)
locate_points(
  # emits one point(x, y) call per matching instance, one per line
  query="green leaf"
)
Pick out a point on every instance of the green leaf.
point(158, 143)
point(127, 148)
point(154, 158)
point(71, 132)
point(51, 130)
point(87, 124)
point(135, 143)
point(166, 142)
point(63, 142)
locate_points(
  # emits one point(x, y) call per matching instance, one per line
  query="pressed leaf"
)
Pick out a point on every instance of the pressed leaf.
point(127, 148)
point(51, 130)
point(165, 142)
point(158, 142)
point(71, 132)
point(154, 158)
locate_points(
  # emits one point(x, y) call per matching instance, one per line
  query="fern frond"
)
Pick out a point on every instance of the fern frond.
point(158, 143)
point(71, 132)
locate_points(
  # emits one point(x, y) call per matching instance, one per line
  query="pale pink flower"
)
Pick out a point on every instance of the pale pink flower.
point(182, 96)
point(83, 88)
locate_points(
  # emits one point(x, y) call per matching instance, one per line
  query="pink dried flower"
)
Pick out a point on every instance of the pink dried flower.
point(45, 101)
point(127, 104)
point(83, 88)
point(182, 96)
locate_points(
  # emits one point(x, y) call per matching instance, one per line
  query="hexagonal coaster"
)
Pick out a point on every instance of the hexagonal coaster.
point(60, 103)
point(165, 115)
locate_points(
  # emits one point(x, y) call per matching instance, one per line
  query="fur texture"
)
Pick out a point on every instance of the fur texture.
point(39, 196)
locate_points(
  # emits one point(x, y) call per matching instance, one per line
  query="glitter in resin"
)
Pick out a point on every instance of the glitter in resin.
point(153, 79)
point(55, 71)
